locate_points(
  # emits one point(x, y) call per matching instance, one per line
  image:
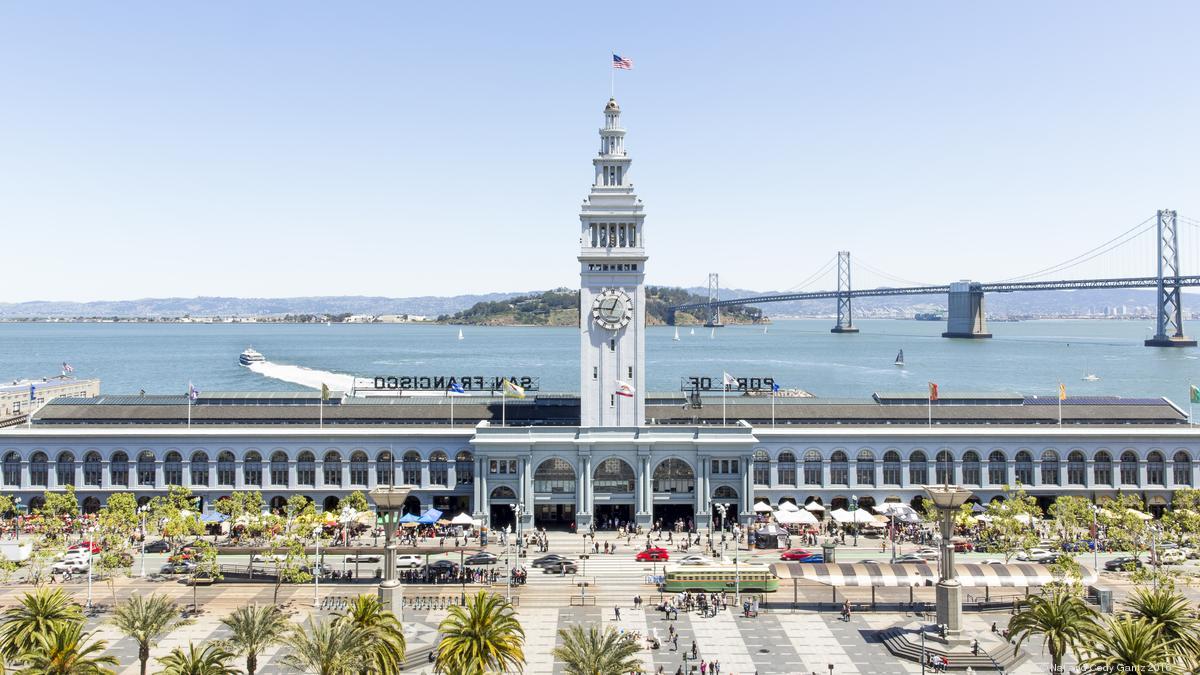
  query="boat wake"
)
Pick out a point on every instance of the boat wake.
point(305, 377)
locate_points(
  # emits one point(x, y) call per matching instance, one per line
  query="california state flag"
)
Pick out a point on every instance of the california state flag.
point(625, 389)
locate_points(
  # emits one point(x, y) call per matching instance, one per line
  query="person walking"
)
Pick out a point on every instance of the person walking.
point(617, 612)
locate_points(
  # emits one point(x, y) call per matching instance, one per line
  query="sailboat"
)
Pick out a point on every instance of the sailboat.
point(676, 338)
point(693, 332)
point(714, 334)
point(1090, 376)
point(764, 330)
point(900, 358)
point(460, 335)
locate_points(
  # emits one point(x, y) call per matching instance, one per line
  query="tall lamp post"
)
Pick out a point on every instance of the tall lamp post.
point(142, 510)
point(853, 519)
point(389, 502)
point(947, 499)
point(17, 506)
point(518, 510)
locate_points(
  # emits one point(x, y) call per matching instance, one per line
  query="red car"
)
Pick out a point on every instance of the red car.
point(653, 555)
point(794, 554)
point(85, 545)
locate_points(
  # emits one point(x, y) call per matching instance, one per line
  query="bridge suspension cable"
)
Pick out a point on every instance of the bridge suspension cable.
point(1116, 242)
point(814, 277)
point(858, 262)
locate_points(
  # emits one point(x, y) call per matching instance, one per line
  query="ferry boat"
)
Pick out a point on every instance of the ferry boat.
point(250, 356)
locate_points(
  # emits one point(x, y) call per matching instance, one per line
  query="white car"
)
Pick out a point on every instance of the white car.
point(694, 560)
point(1032, 554)
point(1172, 556)
point(263, 558)
point(410, 561)
point(993, 561)
point(70, 567)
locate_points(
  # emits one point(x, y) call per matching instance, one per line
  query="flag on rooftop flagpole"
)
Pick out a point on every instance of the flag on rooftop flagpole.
point(625, 389)
point(455, 388)
point(728, 380)
point(933, 392)
point(324, 392)
point(513, 389)
point(1062, 391)
point(1195, 394)
point(622, 64)
point(67, 368)
point(193, 392)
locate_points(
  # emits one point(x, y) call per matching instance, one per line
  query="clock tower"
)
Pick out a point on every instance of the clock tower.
point(612, 292)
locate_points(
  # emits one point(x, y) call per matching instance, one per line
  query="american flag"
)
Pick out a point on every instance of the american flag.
point(67, 368)
point(623, 64)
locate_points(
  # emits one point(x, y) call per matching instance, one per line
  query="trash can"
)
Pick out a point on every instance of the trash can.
point(829, 549)
point(1104, 598)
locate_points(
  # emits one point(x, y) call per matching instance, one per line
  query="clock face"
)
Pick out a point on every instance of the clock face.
point(612, 309)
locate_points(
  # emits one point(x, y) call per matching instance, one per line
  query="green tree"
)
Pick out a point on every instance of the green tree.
point(8, 506)
point(253, 629)
point(39, 612)
point(1129, 645)
point(207, 567)
point(357, 501)
point(480, 637)
point(1063, 619)
point(44, 554)
point(327, 648)
point(290, 561)
point(59, 504)
point(146, 619)
point(238, 504)
point(299, 508)
point(1009, 525)
point(386, 636)
point(67, 650)
point(111, 564)
point(1072, 517)
point(1171, 613)
point(596, 651)
point(118, 518)
point(1125, 526)
point(212, 659)
point(176, 516)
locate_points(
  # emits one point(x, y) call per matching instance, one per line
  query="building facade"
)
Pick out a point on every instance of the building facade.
point(21, 398)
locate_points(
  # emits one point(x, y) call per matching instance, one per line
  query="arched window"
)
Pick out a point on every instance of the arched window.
point(1076, 468)
point(358, 468)
point(412, 468)
point(279, 468)
point(12, 469)
point(331, 468)
point(1129, 468)
point(439, 469)
point(1102, 472)
point(865, 468)
point(306, 468)
point(1024, 467)
point(385, 468)
point(64, 468)
point(503, 492)
point(91, 468)
point(944, 471)
point(464, 467)
point(1154, 469)
point(1050, 467)
point(554, 475)
point(226, 468)
point(200, 468)
point(613, 476)
point(725, 492)
point(145, 468)
point(118, 469)
point(173, 468)
point(252, 469)
point(971, 474)
point(674, 475)
point(891, 468)
point(1183, 468)
point(786, 469)
point(918, 469)
point(997, 468)
point(839, 468)
point(812, 467)
point(762, 467)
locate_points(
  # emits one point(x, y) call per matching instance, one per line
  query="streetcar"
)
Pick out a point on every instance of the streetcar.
point(751, 578)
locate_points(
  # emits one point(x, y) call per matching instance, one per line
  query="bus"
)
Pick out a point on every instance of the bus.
point(752, 578)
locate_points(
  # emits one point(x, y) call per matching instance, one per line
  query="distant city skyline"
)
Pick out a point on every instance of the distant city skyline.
point(297, 149)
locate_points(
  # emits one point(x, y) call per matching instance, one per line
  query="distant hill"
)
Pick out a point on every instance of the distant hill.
point(560, 307)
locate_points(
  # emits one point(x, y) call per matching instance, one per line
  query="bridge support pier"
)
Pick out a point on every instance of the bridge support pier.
point(845, 306)
point(964, 316)
point(1169, 326)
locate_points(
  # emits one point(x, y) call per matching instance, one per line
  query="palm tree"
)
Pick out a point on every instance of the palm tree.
point(1172, 614)
point(328, 648)
point(39, 613)
point(387, 635)
point(146, 619)
point(593, 651)
point(481, 637)
point(253, 629)
point(1130, 645)
point(212, 660)
point(1061, 617)
point(67, 650)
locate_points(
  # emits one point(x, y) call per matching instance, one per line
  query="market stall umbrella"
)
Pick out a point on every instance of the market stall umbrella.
point(1141, 514)
point(814, 506)
point(857, 516)
point(409, 518)
point(462, 519)
point(430, 517)
point(795, 518)
point(762, 507)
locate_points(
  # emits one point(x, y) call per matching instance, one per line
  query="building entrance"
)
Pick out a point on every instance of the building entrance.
point(608, 515)
point(501, 517)
point(670, 513)
point(554, 516)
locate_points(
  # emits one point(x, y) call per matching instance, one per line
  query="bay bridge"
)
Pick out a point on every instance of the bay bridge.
point(965, 316)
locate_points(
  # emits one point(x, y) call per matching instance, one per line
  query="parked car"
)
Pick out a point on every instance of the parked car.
point(443, 565)
point(694, 559)
point(962, 545)
point(72, 566)
point(560, 567)
point(1031, 554)
point(927, 554)
point(410, 561)
point(814, 558)
point(264, 558)
point(482, 558)
point(653, 555)
point(157, 546)
point(547, 559)
point(182, 567)
point(1121, 564)
point(910, 558)
point(794, 554)
point(85, 545)
point(362, 558)
point(320, 569)
point(1172, 556)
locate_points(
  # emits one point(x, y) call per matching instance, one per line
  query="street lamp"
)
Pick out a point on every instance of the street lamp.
point(389, 501)
point(91, 542)
point(518, 510)
point(947, 499)
point(17, 508)
point(142, 510)
point(853, 520)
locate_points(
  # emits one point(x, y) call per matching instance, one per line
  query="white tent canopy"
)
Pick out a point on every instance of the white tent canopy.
point(856, 516)
point(788, 506)
point(462, 519)
point(795, 518)
point(814, 506)
point(762, 507)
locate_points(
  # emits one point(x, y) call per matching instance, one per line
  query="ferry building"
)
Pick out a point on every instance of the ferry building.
point(612, 449)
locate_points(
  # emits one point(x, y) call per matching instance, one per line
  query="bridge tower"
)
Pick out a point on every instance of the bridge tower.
point(1169, 327)
point(713, 320)
point(964, 311)
point(845, 315)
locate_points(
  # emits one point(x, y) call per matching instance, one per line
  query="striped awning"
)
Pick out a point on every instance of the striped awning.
point(888, 575)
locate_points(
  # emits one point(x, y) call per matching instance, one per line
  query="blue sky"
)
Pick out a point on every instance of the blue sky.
point(282, 149)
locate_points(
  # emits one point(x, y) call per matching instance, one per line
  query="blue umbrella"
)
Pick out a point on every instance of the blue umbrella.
point(409, 518)
point(430, 517)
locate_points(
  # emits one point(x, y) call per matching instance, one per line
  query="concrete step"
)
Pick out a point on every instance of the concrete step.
point(905, 643)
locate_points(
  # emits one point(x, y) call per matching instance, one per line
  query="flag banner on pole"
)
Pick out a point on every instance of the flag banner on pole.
point(774, 387)
point(1062, 391)
point(32, 393)
point(728, 380)
point(324, 392)
point(622, 64)
point(455, 389)
point(513, 390)
point(1195, 394)
point(67, 368)
point(193, 392)
point(933, 393)
point(625, 389)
